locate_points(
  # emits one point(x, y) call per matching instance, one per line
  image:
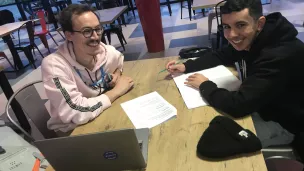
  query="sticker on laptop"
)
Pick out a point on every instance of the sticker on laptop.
point(110, 155)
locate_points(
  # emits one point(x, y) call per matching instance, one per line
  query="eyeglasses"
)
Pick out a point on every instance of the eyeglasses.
point(88, 32)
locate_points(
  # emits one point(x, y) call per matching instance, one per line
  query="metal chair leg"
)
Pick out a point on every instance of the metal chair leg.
point(123, 37)
point(38, 50)
point(120, 40)
point(58, 30)
point(181, 6)
point(189, 9)
point(169, 7)
point(29, 55)
point(52, 38)
point(109, 37)
point(44, 41)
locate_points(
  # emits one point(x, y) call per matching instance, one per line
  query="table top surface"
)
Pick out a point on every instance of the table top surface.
point(172, 145)
point(11, 27)
point(201, 4)
point(107, 16)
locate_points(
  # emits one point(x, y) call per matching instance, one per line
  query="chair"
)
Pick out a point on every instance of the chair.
point(59, 29)
point(3, 56)
point(189, 3)
point(34, 109)
point(130, 5)
point(26, 47)
point(280, 151)
point(114, 28)
point(45, 29)
point(169, 7)
point(61, 4)
point(283, 164)
point(211, 16)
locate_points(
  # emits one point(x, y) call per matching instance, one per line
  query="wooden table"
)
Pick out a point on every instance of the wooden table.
point(202, 4)
point(108, 16)
point(172, 145)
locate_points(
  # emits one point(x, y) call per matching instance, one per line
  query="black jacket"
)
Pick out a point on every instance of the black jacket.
point(274, 86)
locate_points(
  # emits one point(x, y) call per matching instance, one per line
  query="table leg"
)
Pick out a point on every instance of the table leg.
point(16, 57)
point(8, 91)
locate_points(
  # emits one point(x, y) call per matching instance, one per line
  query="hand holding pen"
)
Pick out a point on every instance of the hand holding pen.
point(175, 66)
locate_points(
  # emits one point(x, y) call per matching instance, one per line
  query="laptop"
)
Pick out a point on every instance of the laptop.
point(113, 150)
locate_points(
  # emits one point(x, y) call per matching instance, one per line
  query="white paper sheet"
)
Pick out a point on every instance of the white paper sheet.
point(220, 75)
point(149, 110)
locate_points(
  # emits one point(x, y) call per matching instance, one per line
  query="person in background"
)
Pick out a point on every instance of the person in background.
point(84, 76)
point(271, 60)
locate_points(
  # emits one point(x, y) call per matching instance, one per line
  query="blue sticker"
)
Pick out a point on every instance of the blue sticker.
point(110, 155)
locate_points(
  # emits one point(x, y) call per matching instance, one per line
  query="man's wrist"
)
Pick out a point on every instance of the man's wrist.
point(112, 95)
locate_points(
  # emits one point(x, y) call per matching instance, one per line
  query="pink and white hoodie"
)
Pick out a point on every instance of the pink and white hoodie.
point(72, 101)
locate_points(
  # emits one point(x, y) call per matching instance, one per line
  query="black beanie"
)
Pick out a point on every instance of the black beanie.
point(224, 138)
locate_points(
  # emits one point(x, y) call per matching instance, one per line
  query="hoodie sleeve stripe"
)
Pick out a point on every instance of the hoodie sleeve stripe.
point(69, 101)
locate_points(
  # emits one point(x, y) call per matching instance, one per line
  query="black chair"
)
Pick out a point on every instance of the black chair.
point(189, 3)
point(169, 7)
point(27, 47)
point(114, 28)
point(130, 5)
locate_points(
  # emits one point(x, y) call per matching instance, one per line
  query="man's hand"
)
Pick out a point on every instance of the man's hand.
point(123, 85)
point(196, 80)
point(174, 68)
point(115, 77)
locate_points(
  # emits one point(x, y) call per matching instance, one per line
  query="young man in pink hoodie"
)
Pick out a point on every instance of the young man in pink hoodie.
point(83, 77)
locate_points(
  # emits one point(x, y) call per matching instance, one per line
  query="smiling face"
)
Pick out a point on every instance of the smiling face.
point(85, 45)
point(240, 29)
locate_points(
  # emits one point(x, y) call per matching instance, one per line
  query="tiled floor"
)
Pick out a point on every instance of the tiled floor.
point(178, 34)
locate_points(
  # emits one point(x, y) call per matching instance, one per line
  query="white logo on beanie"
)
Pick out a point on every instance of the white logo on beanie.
point(243, 133)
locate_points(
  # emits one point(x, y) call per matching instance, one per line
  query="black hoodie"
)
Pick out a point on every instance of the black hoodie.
point(274, 83)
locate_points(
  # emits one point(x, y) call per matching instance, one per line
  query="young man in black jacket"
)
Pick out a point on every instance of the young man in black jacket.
point(271, 60)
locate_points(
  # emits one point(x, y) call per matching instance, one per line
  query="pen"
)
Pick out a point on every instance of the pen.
point(178, 62)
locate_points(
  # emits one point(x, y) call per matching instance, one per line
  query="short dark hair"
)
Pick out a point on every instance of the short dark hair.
point(254, 6)
point(65, 17)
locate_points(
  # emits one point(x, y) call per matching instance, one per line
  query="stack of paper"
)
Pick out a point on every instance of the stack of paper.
point(149, 110)
point(220, 75)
